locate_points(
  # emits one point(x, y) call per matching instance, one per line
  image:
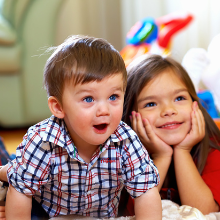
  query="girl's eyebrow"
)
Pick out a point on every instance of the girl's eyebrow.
point(180, 90)
point(146, 98)
point(176, 91)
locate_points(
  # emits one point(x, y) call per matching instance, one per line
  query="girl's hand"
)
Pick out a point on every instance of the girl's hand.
point(161, 153)
point(197, 131)
point(2, 213)
point(154, 145)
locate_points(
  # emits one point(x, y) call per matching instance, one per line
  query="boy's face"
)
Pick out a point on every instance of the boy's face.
point(93, 110)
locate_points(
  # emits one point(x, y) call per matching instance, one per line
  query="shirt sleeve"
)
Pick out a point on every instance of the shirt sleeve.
point(30, 169)
point(139, 172)
point(211, 174)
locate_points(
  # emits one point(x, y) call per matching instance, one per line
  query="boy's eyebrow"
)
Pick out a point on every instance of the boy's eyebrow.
point(154, 96)
point(83, 90)
point(119, 88)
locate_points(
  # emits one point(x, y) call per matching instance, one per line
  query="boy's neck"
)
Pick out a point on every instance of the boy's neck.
point(86, 153)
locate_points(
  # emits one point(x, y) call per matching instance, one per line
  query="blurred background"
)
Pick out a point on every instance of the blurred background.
point(112, 19)
point(27, 27)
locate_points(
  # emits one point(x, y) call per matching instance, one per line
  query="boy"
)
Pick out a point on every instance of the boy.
point(78, 160)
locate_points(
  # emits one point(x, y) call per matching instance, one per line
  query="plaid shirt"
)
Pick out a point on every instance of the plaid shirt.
point(48, 166)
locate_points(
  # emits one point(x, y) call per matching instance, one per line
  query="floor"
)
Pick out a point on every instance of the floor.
point(12, 138)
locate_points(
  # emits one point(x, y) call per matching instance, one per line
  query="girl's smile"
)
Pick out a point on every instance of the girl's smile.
point(170, 125)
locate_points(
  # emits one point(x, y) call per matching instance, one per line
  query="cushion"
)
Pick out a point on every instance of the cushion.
point(7, 33)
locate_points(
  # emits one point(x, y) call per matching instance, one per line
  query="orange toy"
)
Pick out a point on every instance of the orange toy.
point(131, 51)
point(217, 121)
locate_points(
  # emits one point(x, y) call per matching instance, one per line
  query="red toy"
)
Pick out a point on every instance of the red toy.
point(153, 35)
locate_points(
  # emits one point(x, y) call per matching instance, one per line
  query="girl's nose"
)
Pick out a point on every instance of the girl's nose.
point(102, 109)
point(168, 110)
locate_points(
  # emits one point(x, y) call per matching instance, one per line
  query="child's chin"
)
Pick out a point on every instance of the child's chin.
point(175, 141)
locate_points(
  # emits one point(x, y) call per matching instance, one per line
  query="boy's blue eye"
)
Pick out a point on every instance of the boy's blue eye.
point(113, 97)
point(180, 98)
point(88, 99)
point(150, 104)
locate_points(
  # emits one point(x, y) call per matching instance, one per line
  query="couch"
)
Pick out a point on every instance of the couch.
point(26, 28)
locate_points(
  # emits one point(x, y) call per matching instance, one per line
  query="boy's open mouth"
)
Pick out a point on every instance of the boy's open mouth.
point(100, 126)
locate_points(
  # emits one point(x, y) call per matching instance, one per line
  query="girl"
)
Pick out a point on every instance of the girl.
point(162, 106)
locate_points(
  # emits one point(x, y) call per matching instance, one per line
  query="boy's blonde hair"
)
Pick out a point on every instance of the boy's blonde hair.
point(81, 59)
point(145, 68)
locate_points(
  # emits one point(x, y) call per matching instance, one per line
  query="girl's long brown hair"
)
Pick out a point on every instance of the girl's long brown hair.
point(145, 68)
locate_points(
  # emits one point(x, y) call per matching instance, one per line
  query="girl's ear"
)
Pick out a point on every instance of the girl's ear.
point(55, 107)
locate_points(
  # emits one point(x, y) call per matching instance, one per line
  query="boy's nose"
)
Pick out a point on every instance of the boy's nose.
point(102, 109)
point(168, 110)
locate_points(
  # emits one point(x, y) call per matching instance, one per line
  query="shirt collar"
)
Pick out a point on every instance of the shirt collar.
point(56, 132)
point(122, 132)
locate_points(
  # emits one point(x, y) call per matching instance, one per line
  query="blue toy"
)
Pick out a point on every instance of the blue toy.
point(144, 30)
point(208, 103)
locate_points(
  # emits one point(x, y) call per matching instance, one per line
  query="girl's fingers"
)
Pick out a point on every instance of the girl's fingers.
point(140, 128)
point(198, 122)
point(144, 129)
point(133, 121)
point(201, 122)
point(148, 129)
point(2, 212)
point(195, 124)
point(194, 121)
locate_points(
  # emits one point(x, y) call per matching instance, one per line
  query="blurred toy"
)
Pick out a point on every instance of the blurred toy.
point(211, 77)
point(217, 122)
point(3, 191)
point(131, 51)
point(154, 36)
point(171, 24)
point(144, 31)
point(208, 103)
point(204, 69)
point(195, 62)
point(4, 155)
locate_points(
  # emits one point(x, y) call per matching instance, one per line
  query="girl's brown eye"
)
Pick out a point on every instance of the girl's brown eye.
point(150, 104)
point(180, 98)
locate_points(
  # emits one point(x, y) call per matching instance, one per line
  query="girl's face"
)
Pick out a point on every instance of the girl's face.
point(167, 105)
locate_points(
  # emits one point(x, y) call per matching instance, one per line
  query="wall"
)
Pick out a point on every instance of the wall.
point(98, 18)
point(112, 19)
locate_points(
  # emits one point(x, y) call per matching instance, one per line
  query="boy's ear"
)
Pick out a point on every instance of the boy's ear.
point(55, 107)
